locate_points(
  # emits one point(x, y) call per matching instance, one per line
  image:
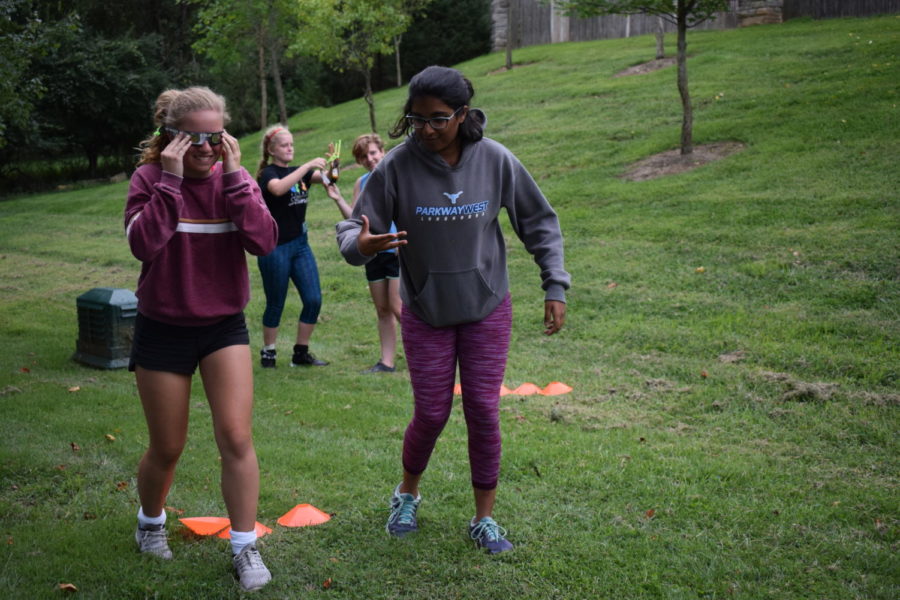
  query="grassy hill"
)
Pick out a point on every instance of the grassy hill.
point(733, 347)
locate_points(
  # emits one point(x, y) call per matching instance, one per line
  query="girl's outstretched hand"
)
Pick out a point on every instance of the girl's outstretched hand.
point(231, 153)
point(369, 244)
point(554, 316)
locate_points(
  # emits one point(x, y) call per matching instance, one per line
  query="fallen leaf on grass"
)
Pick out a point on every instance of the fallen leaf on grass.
point(333, 559)
point(177, 511)
point(25, 370)
point(9, 541)
point(700, 269)
point(327, 583)
point(650, 513)
point(612, 285)
point(89, 516)
point(75, 447)
point(704, 374)
point(60, 467)
point(110, 437)
point(122, 486)
point(74, 388)
point(68, 587)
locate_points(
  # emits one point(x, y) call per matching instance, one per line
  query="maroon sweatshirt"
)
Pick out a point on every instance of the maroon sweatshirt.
point(190, 236)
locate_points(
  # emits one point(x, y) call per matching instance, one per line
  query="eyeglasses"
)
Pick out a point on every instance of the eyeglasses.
point(436, 123)
point(198, 137)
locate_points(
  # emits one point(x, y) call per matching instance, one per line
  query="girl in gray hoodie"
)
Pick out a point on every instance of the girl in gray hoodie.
point(444, 187)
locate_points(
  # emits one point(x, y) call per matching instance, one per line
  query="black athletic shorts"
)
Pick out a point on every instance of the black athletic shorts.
point(385, 265)
point(176, 349)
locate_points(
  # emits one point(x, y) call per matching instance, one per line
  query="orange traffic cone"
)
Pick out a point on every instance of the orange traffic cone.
point(206, 525)
point(526, 389)
point(302, 515)
point(556, 388)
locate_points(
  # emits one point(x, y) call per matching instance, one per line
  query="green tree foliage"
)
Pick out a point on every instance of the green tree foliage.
point(23, 39)
point(96, 93)
point(448, 32)
point(350, 35)
point(683, 13)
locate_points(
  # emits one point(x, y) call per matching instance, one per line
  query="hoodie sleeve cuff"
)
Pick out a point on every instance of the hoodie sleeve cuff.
point(555, 292)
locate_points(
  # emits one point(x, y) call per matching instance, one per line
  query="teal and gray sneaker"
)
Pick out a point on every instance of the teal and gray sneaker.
point(490, 536)
point(403, 513)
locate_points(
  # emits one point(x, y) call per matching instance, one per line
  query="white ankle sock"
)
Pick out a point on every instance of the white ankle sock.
point(239, 539)
point(144, 520)
point(269, 347)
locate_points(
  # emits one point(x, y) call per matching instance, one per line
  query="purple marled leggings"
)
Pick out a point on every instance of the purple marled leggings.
point(432, 354)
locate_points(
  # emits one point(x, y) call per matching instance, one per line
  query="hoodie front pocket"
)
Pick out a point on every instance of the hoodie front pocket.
point(450, 298)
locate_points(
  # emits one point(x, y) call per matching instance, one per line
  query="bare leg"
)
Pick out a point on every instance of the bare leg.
point(387, 319)
point(484, 502)
point(270, 334)
point(410, 483)
point(228, 380)
point(304, 332)
point(165, 398)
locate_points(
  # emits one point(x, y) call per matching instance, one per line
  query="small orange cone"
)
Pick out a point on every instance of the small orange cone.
point(457, 389)
point(556, 388)
point(259, 528)
point(206, 525)
point(526, 389)
point(303, 515)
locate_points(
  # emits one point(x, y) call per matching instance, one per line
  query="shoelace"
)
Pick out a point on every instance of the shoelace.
point(252, 559)
point(154, 539)
point(487, 528)
point(405, 511)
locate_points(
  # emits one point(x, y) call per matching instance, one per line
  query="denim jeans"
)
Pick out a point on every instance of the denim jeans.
point(291, 261)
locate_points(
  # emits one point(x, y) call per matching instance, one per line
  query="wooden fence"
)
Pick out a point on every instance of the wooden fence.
point(536, 22)
point(822, 9)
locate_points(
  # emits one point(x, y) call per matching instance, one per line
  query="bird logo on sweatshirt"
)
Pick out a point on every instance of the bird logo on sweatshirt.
point(453, 197)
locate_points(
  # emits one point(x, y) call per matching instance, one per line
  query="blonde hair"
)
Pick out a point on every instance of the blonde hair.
point(170, 108)
point(270, 134)
point(361, 145)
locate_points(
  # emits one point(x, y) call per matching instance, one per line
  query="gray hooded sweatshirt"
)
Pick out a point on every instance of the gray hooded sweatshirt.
point(453, 268)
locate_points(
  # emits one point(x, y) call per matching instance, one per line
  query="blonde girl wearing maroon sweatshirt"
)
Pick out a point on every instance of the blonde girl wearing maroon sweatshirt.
point(189, 218)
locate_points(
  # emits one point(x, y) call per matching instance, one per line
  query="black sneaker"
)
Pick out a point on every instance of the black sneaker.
point(305, 359)
point(380, 367)
point(267, 358)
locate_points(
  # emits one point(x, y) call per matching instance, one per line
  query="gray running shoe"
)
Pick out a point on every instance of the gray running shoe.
point(250, 568)
point(152, 540)
point(403, 513)
point(490, 536)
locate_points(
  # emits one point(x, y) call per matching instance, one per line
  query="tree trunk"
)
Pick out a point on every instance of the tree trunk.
point(92, 162)
point(370, 99)
point(397, 39)
point(279, 88)
point(687, 122)
point(660, 38)
point(510, 35)
point(263, 94)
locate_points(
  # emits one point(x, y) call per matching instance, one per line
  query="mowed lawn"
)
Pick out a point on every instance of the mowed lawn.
point(732, 348)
